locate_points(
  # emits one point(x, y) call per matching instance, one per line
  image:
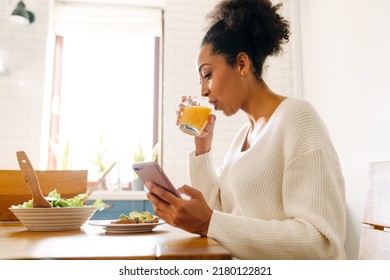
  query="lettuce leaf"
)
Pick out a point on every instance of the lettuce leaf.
point(56, 201)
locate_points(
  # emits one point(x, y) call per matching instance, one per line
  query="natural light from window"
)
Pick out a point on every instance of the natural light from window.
point(107, 94)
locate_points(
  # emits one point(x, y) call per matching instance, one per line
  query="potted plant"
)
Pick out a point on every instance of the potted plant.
point(98, 162)
point(139, 156)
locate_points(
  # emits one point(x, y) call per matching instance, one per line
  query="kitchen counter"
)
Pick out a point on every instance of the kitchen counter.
point(120, 202)
point(118, 195)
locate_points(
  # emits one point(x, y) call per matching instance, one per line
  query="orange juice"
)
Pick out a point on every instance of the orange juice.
point(193, 119)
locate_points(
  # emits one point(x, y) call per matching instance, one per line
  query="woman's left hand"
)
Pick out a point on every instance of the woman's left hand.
point(192, 214)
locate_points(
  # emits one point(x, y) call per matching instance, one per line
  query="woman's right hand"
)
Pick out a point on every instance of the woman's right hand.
point(191, 214)
point(204, 140)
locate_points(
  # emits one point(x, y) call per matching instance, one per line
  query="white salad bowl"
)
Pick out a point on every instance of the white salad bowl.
point(53, 219)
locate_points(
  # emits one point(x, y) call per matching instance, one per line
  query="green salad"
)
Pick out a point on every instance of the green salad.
point(57, 201)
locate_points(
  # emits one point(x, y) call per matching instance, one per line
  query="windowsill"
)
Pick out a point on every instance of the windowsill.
point(118, 195)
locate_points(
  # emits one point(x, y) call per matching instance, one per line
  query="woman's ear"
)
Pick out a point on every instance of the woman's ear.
point(243, 63)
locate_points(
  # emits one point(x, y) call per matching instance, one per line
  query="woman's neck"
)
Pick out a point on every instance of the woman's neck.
point(262, 102)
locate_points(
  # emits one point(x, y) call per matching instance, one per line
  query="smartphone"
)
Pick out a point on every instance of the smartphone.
point(152, 171)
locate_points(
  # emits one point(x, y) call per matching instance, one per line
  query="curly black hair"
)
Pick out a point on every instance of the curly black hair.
point(250, 26)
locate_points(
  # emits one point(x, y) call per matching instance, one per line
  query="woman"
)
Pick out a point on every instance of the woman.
point(280, 192)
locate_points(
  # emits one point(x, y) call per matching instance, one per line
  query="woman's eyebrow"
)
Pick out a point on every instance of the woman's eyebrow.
point(201, 66)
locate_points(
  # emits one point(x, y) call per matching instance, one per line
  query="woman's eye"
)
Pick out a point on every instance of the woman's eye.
point(207, 76)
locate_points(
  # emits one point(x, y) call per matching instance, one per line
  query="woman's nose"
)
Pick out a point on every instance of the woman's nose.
point(204, 88)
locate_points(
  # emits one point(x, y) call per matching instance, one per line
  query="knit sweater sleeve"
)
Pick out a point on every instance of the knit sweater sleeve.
point(203, 176)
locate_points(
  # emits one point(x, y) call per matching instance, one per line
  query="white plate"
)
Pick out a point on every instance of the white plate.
point(125, 228)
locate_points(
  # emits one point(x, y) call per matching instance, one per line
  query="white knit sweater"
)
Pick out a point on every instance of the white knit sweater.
point(284, 197)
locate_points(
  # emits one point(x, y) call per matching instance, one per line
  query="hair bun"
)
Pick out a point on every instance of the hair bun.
point(251, 26)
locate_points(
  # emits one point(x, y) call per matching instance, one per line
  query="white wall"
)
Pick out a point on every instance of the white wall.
point(346, 60)
point(22, 51)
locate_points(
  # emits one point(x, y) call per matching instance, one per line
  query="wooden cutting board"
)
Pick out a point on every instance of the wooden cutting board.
point(13, 189)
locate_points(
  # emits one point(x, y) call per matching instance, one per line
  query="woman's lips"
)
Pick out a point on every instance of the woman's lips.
point(214, 103)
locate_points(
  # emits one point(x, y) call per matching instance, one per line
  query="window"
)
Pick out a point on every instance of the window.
point(106, 89)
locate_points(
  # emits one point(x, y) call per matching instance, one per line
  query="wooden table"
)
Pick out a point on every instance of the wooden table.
point(92, 242)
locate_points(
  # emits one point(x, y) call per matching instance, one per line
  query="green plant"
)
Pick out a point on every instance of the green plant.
point(62, 154)
point(155, 151)
point(98, 161)
point(139, 156)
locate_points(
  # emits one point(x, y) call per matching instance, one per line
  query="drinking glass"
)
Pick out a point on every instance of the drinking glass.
point(193, 113)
